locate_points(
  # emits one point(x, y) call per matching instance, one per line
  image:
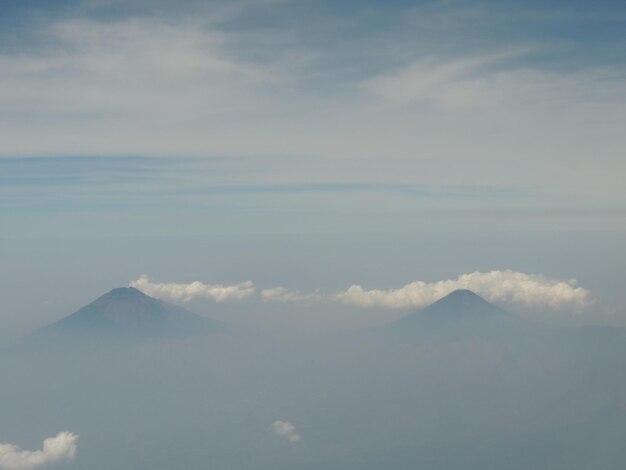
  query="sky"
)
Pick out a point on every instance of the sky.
point(312, 146)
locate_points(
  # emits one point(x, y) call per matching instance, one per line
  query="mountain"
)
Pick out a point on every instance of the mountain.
point(125, 314)
point(462, 312)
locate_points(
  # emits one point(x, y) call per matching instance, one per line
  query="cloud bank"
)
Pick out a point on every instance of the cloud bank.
point(55, 449)
point(529, 290)
point(287, 430)
point(511, 287)
point(193, 290)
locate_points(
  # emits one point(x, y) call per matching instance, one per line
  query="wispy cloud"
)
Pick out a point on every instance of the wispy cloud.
point(450, 83)
point(193, 290)
point(287, 430)
point(54, 450)
point(494, 82)
point(529, 290)
point(281, 294)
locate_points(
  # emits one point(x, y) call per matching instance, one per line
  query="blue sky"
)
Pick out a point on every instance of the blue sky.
point(460, 120)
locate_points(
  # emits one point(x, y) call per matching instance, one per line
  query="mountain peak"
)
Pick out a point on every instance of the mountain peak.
point(124, 293)
point(125, 298)
point(463, 303)
point(462, 298)
point(460, 310)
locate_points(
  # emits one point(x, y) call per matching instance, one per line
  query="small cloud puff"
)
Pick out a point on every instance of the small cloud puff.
point(287, 430)
point(193, 290)
point(55, 449)
point(529, 290)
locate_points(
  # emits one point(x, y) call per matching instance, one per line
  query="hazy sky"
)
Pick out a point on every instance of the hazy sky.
point(311, 167)
point(310, 145)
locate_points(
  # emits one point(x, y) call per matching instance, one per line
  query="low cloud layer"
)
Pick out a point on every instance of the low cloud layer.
point(193, 290)
point(54, 450)
point(287, 430)
point(510, 287)
point(529, 290)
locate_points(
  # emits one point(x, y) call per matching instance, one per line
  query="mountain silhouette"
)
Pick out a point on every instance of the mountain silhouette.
point(126, 314)
point(460, 313)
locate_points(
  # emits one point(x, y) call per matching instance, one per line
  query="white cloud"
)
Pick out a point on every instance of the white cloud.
point(193, 290)
point(55, 449)
point(281, 294)
point(530, 290)
point(527, 290)
point(287, 430)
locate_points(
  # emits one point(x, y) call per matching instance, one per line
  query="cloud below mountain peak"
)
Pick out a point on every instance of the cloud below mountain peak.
point(535, 291)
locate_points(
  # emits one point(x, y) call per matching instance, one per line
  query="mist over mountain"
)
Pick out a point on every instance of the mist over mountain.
point(461, 384)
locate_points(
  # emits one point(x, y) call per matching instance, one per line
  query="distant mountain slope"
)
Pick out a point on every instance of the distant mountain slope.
point(470, 323)
point(126, 314)
point(460, 305)
point(460, 313)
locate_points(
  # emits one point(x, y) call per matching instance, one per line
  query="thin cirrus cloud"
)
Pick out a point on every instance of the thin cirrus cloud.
point(194, 290)
point(55, 449)
point(153, 86)
point(287, 430)
point(448, 84)
point(528, 290)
